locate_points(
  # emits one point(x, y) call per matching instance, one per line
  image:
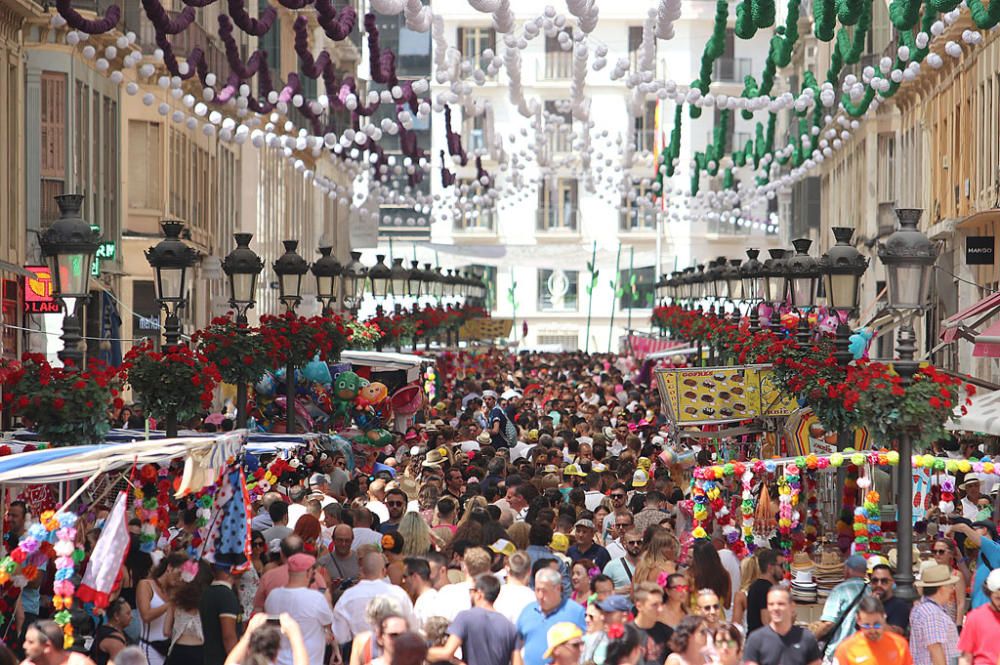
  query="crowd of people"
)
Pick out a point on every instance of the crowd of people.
point(529, 517)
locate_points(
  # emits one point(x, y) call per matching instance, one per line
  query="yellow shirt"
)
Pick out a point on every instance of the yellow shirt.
point(890, 649)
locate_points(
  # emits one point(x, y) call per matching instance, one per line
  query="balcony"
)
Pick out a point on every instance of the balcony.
point(637, 220)
point(477, 222)
point(645, 139)
point(562, 220)
point(558, 66)
point(732, 70)
point(194, 36)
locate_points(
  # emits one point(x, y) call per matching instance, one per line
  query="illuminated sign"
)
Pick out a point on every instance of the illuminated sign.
point(38, 292)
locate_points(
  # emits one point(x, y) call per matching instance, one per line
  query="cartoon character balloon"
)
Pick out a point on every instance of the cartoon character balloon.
point(346, 387)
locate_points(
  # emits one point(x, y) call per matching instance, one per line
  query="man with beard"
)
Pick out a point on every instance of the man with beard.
point(395, 503)
point(622, 569)
point(897, 610)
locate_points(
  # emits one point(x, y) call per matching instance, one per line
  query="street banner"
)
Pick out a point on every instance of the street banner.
point(486, 328)
point(711, 395)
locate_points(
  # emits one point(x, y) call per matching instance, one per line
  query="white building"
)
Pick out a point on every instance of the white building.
point(550, 223)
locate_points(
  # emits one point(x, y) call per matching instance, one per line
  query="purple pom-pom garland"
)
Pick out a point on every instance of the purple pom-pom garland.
point(94, 27)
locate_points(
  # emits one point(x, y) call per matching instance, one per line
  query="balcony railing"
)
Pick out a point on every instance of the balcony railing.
point(637, 219)
point(182, 43)
point(558, 66)
point(732, 69)
point(556, 220)
point(645, 139)
point(477, 221)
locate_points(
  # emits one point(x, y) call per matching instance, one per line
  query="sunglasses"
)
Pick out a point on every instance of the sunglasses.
point(258, 543)
point(394, 503)
point(618, 496)
point(870, 626)
point(881, 580)
point(679, 587)
point(709, 608)
point(623, 525)
point(633, 542)
point(937, 551)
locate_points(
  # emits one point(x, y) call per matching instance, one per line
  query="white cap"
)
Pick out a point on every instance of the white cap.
point(993, 580)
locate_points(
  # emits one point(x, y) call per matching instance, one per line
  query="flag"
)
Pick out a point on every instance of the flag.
point(103, 572)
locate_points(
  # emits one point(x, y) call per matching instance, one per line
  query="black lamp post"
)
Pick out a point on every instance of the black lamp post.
point(170, 259)
point(908, 256)
point(415, 282)
point(734, 286)
point(327, 270)
point(803, 273)
point(752, 273)
point(430, 279)
point(399, 281)
point(352, 281)
point(290, 267)
point(774, 285)
point(842, 267)
point(440, 280)
point(379, 277)
point(69, 246)
point(242, 267)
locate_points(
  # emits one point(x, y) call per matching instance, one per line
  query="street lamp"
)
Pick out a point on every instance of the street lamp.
point(352, 281)
point(909, 257)
point(327, 271)
point(774, 285)
point(803, 273)
point(69, 246)
point(416, 280)
point(752, 273)
point(289, 268)
point(400, 279)
point(440, 282)
point(242, 267)
point(170, 259)
point(380, 276)
point(842, 266)
point(430, 281)
point(734, 284)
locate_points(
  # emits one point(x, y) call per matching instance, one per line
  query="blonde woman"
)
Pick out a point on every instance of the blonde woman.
point(749, 573)
point(366, 647)
point(659, 556)
point(416, 535)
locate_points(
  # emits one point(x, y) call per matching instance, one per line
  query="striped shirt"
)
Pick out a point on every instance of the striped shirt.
point(930, 624)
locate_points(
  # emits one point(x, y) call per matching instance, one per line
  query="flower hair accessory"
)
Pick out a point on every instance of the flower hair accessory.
point(594, 572)
point(189, 570)
point(616, 631)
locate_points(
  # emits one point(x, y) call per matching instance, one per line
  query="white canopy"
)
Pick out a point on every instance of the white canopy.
point(983, 414)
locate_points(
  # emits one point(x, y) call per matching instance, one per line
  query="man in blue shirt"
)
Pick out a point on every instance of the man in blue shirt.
point(497, 420)
point(549, 609)
point(842, 604)
point(984, 536)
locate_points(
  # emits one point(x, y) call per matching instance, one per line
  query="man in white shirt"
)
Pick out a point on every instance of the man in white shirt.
point(453, 598)
point(319, 489)
point(972, 485)
point(349, 615)
point(297, 508)
point(418, 584)
point(515, 595)
point(376, 494)
point(310, 609)
point(592, 496)
point(363, 532)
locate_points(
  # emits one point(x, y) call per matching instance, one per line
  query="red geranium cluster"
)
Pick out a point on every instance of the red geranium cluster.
point(295, 340)
point(237, 350)
point(178, 380)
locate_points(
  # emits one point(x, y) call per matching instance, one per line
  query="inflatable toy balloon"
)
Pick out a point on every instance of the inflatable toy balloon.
point(320, 396)
point(266, 385)
point(317, 371)
point(372, 394)
point(377, 438)
point(301, 414)
point(789, 320)
point(859, 342)
point(829, 324)
point(346, 387)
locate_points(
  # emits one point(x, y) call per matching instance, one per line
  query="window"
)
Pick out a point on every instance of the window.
point(270, 41)
point(53, 143)
point(558, 63)
point(635, 46)
point(640, 294)
point(559, 125)
point(645, 128)
point(728, 67)
point(474, 131)
point(473, 41)
point(472, 217)
point(144, 158)
point(557, 205)
point(639, 213)
point(558, 290)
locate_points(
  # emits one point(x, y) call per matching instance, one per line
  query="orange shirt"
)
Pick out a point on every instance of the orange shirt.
point(891, 649)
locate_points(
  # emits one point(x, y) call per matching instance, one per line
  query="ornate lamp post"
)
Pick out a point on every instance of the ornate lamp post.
point(415, 282)
point(803, 273)
point(842, 267)
point(242, 267)
point(734, 286)
point(431, 285)
point(908, 256)
point(379, 277)
point(290, 267)
point(170, 259)
point(69, 246)
point(752, 273)
point(399, 282)
point(774, 285)
point(327, 271)
point(352, 281)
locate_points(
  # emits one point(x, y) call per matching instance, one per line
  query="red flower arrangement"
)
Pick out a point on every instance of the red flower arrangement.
point(64, 405)
point(177, 381)
point(238, 351)
point(295, 339)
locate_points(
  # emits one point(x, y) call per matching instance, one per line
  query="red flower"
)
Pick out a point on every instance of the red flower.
point(58, 403)
point(934, 402)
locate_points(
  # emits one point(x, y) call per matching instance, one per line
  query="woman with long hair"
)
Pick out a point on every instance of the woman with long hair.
point(675, 600)
point(183, 622)
point(749, 573)
point(154, 598)
point(659, 556)
point(946, 552)
point(625, 646)
point(416, 535)
point(137, 566)
point(728, 644)
point(707, 572)
point(689, 642)
point(579, 576)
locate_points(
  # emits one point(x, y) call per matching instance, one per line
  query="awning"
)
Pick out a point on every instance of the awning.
point(953, 327)
point(987, 343)
point(983, 415)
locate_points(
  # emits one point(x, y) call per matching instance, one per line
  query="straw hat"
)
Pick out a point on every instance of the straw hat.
point(434, 459)
point(801, 561)
point(893, 556)
point(936, 575)
point(484, 439)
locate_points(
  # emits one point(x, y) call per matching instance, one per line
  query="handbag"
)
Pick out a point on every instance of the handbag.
point(825, 642)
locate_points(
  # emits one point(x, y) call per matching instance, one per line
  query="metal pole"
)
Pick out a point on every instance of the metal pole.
point(631, 284)
point(241, 386)
point(290, 390)
point(72, 335)
point(614, 294)
point(590, 302)
point(906, 367)
point(172, 328)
